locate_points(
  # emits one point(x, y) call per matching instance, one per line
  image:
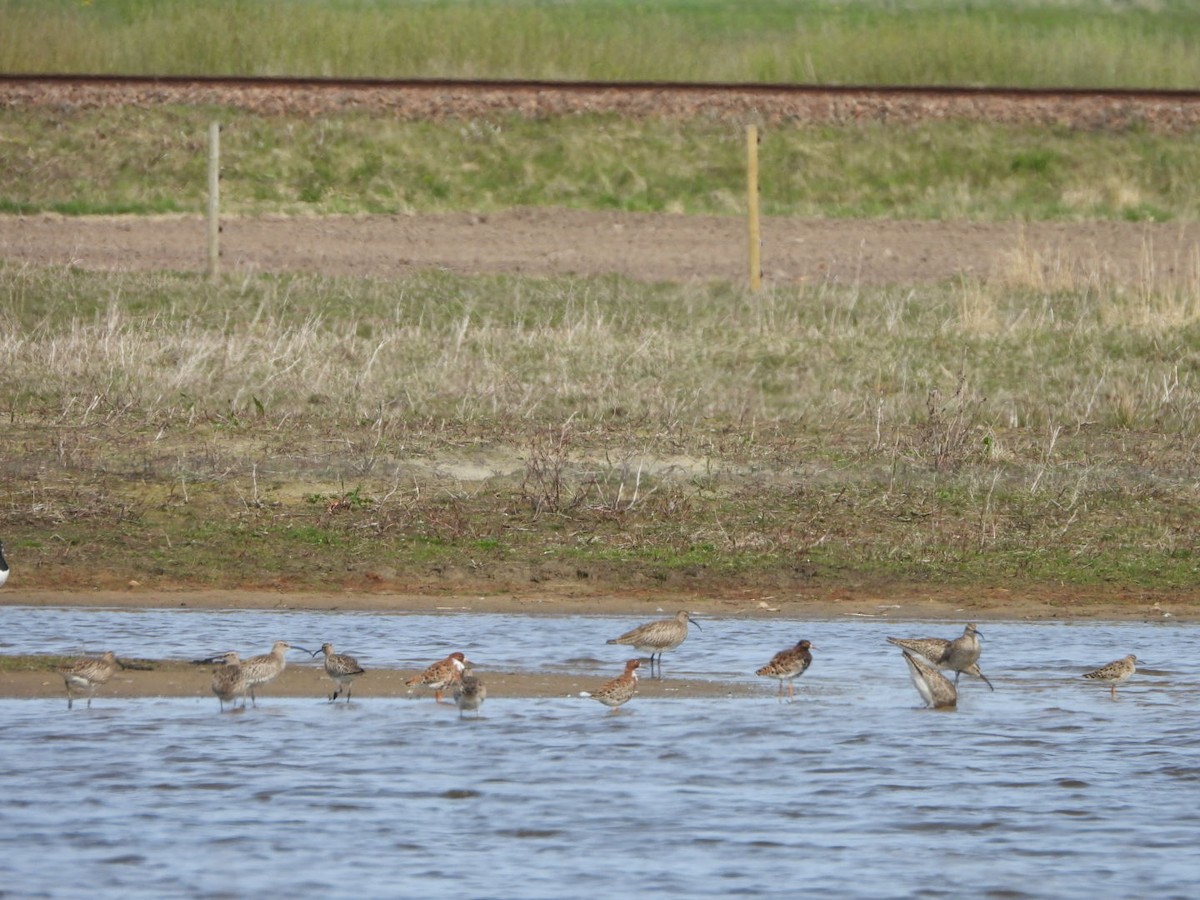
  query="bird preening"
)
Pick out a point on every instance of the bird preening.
point(958, 655)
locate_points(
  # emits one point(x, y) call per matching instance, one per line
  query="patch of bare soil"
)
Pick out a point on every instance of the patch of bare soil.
point(644, 247)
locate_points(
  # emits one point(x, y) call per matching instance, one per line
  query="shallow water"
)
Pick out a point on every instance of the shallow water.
point(1043, 788)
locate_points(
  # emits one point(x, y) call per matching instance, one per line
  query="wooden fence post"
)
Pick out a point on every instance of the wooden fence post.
point(752, 207)
point(214, 200)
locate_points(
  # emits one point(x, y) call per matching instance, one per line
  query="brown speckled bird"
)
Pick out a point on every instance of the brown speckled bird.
point(469, 694)
point(787, 665)
point(87, 673)
point(443, 674)
point(260, 670)
point(1114, 672)
point(342, 670)
point(619, 690)
point(229, 681)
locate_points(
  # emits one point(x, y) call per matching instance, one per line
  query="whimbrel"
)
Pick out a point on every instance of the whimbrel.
point(260, 670)
point(229, 681)
point(87, 673)
point(960, 655)
point(657, 637)
point(342, 669)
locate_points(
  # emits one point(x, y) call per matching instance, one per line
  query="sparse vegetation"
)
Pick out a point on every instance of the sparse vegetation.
point(296, 431)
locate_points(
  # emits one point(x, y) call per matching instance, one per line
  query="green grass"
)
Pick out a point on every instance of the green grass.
point(153, 161)
point(1085, 43)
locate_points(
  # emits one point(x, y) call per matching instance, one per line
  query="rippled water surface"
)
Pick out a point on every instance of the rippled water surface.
point(1044, 788)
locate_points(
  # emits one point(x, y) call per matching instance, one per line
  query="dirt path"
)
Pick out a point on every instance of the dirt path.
point(646, 247)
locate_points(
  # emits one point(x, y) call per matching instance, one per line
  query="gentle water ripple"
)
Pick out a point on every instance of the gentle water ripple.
point(1045, 788)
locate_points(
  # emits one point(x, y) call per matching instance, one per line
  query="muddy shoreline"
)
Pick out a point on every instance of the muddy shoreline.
point(175, 678)
point(906, 602)
point(171, 678)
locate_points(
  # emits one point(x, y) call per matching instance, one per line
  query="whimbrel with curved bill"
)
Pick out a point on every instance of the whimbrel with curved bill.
point(342, 669)
point(960, 655)
point(260, 670)
point(658, 637)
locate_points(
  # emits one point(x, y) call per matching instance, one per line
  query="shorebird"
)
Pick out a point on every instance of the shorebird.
point(619, 690)
point(935, 688)
point(342, 669)
point(960, 655)
point(260, 670)
point(469, 694)
point(1115, 672)
point(442, 674)
point(3, 566)
point(229, 681)
point(787, 665)
point(87, 673)
point(657, 637)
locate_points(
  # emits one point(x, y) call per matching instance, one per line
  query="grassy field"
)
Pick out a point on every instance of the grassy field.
point(133, 160)
point(313, 432)
point(323, 433)
point(1080, 43)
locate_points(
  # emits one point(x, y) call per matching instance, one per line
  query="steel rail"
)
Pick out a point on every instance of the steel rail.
point(632, 87)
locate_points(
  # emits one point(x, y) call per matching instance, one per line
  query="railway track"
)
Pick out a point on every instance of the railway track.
point(1172, 111)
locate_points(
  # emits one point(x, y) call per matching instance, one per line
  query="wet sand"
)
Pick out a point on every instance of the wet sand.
point(169, 678)
point(907, 602)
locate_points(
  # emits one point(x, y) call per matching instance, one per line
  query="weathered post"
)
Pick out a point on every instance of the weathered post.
point(214, 200)
point(752, 207)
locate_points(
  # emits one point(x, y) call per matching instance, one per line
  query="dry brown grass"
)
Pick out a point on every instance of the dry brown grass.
point(351, 432)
